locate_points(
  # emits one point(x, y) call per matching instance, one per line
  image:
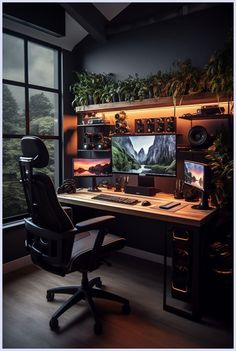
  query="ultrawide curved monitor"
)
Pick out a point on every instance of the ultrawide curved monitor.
point(152, 154)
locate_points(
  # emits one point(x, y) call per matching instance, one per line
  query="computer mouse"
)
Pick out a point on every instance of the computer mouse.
point(145, 203)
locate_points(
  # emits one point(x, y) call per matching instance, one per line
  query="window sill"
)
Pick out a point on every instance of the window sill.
point(13, 224)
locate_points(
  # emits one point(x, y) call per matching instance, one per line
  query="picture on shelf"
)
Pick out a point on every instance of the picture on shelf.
point(91, 167)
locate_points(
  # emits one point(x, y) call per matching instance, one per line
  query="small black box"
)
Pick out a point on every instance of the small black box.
point(140, 190)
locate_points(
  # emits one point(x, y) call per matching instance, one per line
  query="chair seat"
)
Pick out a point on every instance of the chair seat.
point(83, 245)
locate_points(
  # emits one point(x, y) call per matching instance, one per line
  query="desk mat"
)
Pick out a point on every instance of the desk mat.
point(173, 209)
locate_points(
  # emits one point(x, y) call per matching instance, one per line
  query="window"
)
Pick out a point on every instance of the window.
point(31, 106)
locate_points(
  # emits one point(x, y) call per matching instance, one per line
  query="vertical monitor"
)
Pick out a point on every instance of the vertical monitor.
point(198, 176)
point(194, 174)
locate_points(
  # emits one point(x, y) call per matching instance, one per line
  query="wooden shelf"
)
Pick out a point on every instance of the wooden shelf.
point(95, 125)
point(94, 150)
point(190, 151)
point(193, 99)
point(201, 117)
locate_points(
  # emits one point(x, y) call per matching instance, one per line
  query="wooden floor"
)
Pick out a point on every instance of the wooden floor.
point(26, 312)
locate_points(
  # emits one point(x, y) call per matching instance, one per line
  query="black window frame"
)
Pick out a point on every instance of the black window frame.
point(27, 86)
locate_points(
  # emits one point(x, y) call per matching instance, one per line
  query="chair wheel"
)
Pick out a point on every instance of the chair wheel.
point(126, 308)
point(98, 328)
point(54, 324)
point(99, 283)
point(50, 296)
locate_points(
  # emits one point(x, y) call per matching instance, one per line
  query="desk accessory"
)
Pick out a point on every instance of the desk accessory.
point(140, 190)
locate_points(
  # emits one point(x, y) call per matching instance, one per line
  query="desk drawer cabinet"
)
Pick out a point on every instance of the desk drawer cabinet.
point(181, 276)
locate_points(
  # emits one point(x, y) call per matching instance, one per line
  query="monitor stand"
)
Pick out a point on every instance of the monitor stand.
point(94, 187)
point(203, 204)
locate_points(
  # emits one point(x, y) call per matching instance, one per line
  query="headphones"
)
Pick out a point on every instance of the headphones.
point(68, 186)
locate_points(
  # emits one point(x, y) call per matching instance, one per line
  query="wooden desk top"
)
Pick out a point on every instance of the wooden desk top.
point(183, 214)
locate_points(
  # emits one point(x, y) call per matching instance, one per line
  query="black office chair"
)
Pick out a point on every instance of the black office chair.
point(58, 246)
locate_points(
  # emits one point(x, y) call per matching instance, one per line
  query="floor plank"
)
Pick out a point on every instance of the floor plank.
point(26, 313)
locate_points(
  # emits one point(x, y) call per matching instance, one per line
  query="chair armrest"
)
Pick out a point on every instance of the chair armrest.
point(94, 223)
point(47, 233)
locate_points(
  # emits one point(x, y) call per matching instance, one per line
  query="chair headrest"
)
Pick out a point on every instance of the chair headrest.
point(35, 148)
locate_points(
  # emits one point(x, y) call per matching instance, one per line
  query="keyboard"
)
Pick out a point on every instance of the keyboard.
point(117, 199)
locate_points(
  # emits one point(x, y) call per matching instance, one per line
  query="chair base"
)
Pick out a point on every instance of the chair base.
point(84, 292)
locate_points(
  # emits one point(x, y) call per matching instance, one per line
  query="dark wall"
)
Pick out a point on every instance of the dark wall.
point(148, 49)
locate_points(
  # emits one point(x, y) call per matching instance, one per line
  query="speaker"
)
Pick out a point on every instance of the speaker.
point(139, 126)
point(170, 126)
point(198, 137)
point(150, 125)
point(140, 190)
point(160, 125)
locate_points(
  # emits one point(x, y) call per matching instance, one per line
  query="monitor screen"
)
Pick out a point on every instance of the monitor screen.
point(91, 167)
point(144, 154)
point(194, 174)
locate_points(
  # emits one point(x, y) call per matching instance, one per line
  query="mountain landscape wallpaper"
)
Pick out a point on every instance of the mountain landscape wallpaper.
point(194, 174)
point(91, 167)
point(146, 154)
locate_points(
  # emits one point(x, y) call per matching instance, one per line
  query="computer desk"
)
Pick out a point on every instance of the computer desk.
point(185, 228)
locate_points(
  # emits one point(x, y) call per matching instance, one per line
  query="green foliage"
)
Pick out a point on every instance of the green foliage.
point(13, 196)
point(182, 79)
point(162, 169)
point(11, 120)
point(39, 106)
point(121, 160)
point(42, 125)
point(220, 157)
point(218, 72)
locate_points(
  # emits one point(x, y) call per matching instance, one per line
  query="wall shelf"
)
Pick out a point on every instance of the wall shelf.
point(192, 99)
point(202, 117)
point(93, 150)
point(95, 125)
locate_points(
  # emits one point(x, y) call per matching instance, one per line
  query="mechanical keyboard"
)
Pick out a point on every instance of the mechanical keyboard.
point(117, 199)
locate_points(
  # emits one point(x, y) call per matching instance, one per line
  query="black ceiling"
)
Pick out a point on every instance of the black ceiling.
point(50, 17)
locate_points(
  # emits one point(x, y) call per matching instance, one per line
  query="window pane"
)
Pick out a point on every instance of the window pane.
point(43, 110)
point(13, 195)
point(13, 109)
point(52, 169)
point(13, 58)
point(43, 66)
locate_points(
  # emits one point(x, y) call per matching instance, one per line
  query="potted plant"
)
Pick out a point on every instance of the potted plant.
point(220, 157)
point(182, 80)
point(219, 73)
